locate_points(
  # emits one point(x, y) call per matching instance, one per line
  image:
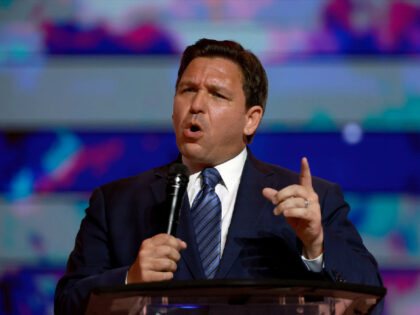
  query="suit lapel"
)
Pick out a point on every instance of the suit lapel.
point(158, 189)
point(250, 204)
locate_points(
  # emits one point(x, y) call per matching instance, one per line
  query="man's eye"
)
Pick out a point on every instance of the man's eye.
point(186, 90)
point(219, 95)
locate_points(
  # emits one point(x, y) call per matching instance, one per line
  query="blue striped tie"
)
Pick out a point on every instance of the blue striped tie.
point(207, 215)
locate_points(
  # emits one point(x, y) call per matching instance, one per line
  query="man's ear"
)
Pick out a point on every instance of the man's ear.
point(253, 119)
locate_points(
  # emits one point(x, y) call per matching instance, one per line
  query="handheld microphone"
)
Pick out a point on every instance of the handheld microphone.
point(178, 178)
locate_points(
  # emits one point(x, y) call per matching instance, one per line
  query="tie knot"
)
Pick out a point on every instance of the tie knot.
point(211, 176)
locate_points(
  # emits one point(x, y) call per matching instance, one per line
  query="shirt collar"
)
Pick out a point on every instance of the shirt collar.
point(230, 171)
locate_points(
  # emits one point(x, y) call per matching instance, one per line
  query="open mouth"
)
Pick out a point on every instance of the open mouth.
point(194, 128)
point(193, 131)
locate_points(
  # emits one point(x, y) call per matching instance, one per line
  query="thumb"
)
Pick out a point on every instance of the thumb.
point(181, 244)
point(270, 194)
point(305, 178)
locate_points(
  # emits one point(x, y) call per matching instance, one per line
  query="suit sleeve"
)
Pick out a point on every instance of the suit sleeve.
point(90, 264)
point(346, 259)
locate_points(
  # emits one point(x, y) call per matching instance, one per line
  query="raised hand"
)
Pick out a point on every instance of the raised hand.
point(300, 206)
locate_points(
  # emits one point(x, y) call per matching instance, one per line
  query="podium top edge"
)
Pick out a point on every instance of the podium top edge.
point(175, 285)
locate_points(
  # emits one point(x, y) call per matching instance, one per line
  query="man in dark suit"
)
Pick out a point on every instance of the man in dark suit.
point(266, 221)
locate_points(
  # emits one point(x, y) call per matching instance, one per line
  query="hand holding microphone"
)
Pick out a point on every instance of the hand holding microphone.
point(158, 256)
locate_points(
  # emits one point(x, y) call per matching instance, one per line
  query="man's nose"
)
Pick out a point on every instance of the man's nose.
point(198, 103)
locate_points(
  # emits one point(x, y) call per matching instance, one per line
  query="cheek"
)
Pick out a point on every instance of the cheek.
point(176, 114)
point(231, 123)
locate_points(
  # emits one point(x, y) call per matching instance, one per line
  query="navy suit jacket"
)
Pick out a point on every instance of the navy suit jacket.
point(259, 245)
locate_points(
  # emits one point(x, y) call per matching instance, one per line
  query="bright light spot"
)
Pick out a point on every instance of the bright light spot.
point(352, 133)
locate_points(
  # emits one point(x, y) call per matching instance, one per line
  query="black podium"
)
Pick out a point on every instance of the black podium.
point(230, 297)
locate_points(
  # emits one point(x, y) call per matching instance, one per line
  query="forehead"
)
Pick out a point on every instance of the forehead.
point(209, 68)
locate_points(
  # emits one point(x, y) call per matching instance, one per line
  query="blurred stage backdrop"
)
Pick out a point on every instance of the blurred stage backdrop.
point(86, 91)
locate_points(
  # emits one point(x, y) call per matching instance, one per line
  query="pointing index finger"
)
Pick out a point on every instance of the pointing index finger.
point(305, 178)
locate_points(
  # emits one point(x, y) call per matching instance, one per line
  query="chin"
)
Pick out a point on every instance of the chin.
point(191, 151)
point(195, 154)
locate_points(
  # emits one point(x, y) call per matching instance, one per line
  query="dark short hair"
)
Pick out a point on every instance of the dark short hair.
point(255, 83)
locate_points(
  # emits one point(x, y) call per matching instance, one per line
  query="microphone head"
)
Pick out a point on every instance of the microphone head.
point(179, 169)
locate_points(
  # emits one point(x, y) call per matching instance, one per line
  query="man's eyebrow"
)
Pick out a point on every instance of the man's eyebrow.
point(210, 87)
point(186, 83)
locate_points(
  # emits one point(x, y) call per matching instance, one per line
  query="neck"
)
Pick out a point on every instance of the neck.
point(195, 167)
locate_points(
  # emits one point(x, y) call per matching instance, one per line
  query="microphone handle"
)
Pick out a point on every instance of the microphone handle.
point(175, 209)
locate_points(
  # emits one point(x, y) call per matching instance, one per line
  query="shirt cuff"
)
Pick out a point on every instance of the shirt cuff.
point(314, 265)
